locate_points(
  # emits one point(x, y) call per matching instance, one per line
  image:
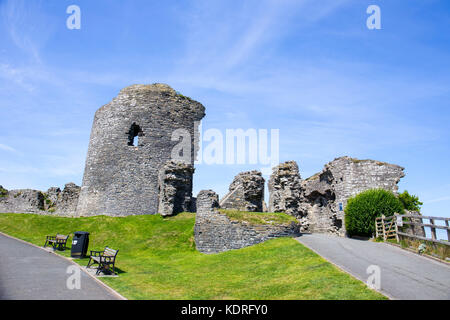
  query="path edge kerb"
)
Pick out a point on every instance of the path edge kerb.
point(111, 290)
point(343, 269)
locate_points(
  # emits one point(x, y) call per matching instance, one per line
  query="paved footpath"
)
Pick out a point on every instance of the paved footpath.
point(404, 275)
point(30, 273)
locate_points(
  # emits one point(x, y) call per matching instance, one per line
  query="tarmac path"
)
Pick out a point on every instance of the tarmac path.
point(30, 273)
point(403, 275)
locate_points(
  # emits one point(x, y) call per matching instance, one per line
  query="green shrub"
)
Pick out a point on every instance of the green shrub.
point(3, 192)
point(362, 209)
point(410, 202)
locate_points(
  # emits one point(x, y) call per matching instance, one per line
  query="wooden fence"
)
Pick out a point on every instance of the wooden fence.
point(387, 227)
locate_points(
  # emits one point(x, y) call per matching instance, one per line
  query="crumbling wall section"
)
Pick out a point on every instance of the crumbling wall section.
point(246, 193)
point(215, 232)
point(52, 202)
point(286, 190)
point(22, 201)
point(327, 192)
point(175, 188)
point(63, 203)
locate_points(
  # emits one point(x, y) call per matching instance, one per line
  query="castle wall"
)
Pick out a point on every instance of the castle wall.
point(327, 192)
point(215, 232)
point(63, 203)
point(122, 179)
point(52, 202)
point(175, 188)
point(22, 201)
point(285, 189)
point(318, 202)
point(246, 193)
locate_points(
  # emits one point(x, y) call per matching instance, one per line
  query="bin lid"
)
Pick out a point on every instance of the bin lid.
point(79, 233)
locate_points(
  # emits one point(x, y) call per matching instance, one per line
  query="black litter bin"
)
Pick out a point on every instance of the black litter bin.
point(80, 244)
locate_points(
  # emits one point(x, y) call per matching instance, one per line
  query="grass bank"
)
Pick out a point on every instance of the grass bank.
point(257, 218)
point(158, 260)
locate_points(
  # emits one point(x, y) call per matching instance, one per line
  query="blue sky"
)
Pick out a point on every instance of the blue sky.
point(314, 71)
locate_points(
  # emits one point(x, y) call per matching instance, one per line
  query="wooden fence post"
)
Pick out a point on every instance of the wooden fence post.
point(448, 231)
point(433, 230)
point(376, 228)
point(396, 230)
point(384, 229)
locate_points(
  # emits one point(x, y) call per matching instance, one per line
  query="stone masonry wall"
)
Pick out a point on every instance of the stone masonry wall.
point(215, 232)
point(318, 202)
point(285, 189)
point(246, 193)
point(327, 192)
point(63, 203)
point(175, 188)
point(22, 201)
point(52, 202)
point(121, 178)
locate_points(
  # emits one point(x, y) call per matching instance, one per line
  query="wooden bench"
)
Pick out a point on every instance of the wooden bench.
point(57, 242)
point(105, 259)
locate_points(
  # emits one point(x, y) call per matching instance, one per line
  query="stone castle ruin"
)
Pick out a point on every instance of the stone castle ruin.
point(246, 193)
point(130, 171)
point(53, 201)
point(328, 191)
point(131, 141)
point(319, 201)
point(215, 232)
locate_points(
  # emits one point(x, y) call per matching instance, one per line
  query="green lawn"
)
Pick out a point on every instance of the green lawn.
point(158, 260)
point(258, 218)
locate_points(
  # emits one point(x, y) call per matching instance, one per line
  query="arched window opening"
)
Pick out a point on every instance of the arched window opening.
point(134, 134)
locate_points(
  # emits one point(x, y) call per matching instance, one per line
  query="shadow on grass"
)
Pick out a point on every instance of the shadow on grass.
point(84, 261)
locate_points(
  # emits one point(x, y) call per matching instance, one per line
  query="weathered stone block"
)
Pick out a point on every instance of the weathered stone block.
point(175, 188)
point(285, 189)
point(207, 200)
point(246, 193)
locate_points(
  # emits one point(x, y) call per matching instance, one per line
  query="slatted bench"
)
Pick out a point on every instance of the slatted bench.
point(105, 259)
point(57, 242)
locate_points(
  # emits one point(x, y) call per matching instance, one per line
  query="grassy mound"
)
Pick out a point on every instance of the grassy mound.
point(158, 260)
point(257, 218)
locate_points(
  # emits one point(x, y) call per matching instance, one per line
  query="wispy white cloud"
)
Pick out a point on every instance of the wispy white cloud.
point(28, 25)
point(17, 76)
point(441, 199)
point(222, 36)
point(7, 148)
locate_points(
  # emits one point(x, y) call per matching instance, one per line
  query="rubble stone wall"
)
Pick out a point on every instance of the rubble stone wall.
point(121, 175)
point(246, 193)
point(327, 192)
point(175, 188)
point(52, 202)
point(215, 232)
point(285, 189)
point(22, 201)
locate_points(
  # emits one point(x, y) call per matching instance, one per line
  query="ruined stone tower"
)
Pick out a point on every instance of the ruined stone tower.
point(131, 140)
